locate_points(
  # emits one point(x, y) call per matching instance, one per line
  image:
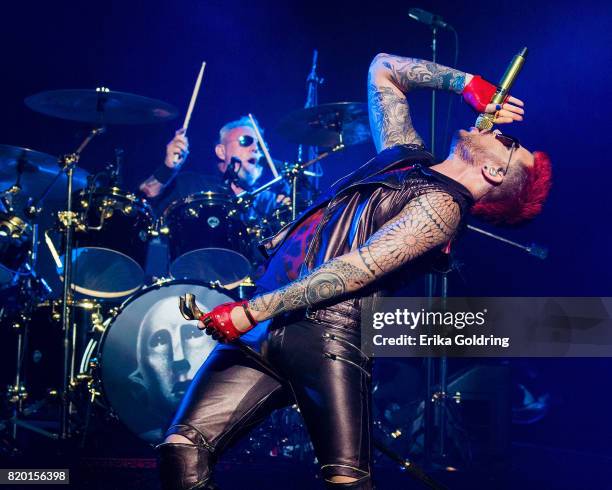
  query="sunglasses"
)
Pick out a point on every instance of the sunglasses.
point(245, 140)
point(508, 141)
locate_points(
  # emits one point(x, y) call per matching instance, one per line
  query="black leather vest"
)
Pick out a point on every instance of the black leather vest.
point(358, 205)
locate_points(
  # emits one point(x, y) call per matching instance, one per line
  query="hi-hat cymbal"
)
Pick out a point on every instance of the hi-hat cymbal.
point(327, 125)
point(101, 107)
point(37, 171)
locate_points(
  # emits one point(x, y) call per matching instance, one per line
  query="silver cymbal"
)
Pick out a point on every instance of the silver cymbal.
point(37, 171)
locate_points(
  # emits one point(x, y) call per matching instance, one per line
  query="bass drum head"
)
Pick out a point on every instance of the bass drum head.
point(149, 354)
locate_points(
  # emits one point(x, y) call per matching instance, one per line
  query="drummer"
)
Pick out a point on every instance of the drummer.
point(238, 169)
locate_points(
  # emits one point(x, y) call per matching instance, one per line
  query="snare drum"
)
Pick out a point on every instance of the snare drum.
point(111, 242)
point(148, 355)
point(207, 239)
point(15, 242)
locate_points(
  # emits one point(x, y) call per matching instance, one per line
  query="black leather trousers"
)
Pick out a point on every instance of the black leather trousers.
point(326, 375)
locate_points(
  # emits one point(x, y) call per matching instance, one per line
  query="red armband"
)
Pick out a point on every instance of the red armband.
point(478, 93)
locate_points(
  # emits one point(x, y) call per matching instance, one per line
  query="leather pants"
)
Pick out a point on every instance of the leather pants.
point(326, 374)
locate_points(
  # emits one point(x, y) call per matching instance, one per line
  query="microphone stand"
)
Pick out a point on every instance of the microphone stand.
point(312, 99)
point(434, 57)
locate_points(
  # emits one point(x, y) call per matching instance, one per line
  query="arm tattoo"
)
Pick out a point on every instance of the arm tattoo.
point(424, 223)
point(410, 73)
point(330, 280)
point(390, 78)
point(390, 118)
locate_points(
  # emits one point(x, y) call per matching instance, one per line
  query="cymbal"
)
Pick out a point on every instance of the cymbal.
point(37, 171)
point(101, 107)
point(327, 125)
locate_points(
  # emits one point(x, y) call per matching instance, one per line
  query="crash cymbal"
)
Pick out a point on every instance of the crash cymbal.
point(327, 125)
point(37, 171)
point(101, 106)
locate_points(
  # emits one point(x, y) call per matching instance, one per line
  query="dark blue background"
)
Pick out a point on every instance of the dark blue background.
point(258, 56)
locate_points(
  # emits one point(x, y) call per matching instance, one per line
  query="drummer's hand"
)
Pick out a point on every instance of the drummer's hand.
point(177, 150)
point(282, 199)
point(226, 322)
point(151, 187)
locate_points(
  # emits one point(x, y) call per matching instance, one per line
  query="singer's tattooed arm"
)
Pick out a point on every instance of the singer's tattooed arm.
point(425, 222)
point(390, 78)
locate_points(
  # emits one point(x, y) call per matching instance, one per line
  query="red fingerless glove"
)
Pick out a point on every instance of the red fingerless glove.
point(218, 322)
point(478, 93)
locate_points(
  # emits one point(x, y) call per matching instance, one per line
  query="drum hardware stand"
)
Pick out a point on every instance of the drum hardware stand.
point(33, 290)
point(534, 249)
point(190, 311)
point(68, 218)
point(291, 172)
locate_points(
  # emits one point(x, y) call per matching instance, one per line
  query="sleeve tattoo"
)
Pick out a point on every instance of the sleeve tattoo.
point(389, 79)
point(426, 222)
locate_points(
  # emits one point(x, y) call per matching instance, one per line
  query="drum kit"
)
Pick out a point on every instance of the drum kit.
point(113, 343)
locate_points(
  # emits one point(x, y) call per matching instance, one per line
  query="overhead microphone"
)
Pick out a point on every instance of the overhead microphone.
point(428, 18)
point(485, 120)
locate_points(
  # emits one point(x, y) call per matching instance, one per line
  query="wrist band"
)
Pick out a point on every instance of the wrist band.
point(248, 313)
point(163, 174)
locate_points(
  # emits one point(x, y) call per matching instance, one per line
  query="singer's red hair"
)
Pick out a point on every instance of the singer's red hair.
point(521, 195)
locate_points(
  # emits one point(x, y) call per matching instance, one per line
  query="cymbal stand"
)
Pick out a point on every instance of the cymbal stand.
point(68, 219)
point(439, 402)
point(291, 172)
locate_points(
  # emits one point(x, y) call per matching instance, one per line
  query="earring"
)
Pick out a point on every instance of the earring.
point(492, 172)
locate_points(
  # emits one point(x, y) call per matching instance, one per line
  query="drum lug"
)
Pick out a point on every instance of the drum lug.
point(97, 322)
point(82, 377)
point(161, 280)
point(69, 218)
point(93, 393)
point(16, 393)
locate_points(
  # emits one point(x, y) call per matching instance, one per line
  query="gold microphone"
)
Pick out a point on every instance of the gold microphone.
point(485, 120)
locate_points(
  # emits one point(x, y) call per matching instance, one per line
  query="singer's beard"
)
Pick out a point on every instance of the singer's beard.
point(467, 147)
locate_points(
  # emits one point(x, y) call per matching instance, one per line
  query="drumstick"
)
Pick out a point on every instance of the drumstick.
point(263, 147)
point(194, 96)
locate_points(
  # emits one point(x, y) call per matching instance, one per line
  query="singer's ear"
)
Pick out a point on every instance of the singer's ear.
point(220, 151)
point(492, 175)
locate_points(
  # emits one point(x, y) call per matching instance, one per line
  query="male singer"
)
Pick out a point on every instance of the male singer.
point(358, 240)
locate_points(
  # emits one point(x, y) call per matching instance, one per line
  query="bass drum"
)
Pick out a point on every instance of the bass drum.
point(148, 355)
